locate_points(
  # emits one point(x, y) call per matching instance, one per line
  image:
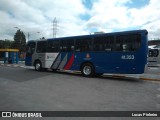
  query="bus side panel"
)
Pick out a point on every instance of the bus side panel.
point(49, 59)
point(124, 62)
point(46, 59)
point(64, 60)
point(113, 62)
point(40, 57)
point(108, 62)
point(79, 59)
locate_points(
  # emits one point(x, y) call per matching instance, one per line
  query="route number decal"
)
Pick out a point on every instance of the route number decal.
point(127, 57)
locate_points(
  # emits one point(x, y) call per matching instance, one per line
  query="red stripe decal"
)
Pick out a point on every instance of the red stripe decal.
point(70, 62)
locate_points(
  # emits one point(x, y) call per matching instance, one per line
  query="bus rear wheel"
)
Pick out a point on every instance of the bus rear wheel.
point(88, 70)
point(38, 66)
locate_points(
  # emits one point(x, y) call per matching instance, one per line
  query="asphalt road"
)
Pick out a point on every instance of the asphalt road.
point(24, 89)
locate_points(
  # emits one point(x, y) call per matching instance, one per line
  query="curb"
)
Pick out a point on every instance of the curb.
point(17, 66)
point(150, 79)
point(12, 65)
point(132, 77)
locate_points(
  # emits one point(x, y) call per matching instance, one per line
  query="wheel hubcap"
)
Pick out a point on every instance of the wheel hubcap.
point(38, 66)
point(87, 70)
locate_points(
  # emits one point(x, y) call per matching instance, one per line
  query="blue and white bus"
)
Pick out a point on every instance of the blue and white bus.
point(154, 56)
point(120, 52)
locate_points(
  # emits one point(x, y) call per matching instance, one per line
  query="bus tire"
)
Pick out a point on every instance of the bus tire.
point(38, 66)
point(87, 70)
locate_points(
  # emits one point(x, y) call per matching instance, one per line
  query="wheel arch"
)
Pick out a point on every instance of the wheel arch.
point(85, 62)
point(37, 60)
point(91, 69)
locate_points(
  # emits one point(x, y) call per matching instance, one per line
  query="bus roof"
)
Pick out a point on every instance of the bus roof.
point(93, 35)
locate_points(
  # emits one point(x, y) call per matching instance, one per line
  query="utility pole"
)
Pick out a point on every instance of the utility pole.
point(54, 27)
point(28, 36)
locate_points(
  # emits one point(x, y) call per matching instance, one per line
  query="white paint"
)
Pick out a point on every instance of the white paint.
point(49, 59)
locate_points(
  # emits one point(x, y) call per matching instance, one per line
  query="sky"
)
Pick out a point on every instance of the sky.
point(77, 17)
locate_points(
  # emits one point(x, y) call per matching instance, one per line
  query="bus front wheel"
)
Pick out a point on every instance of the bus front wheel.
point(87, 70)
point(38, 66)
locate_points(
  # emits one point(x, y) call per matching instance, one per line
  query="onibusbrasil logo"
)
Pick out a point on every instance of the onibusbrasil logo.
point(21, 114)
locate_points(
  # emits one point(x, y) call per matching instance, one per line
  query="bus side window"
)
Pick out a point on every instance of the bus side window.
point(63, 45)
point(53, 46)
point(119, 43)
point(79, 45)
point(108, 43)
point(41, 46)
point(103, 43)
point(83, 44)
point(136, 41)
point(98, 44)
point(70, 45)
point(67, 45)
point(127, 42)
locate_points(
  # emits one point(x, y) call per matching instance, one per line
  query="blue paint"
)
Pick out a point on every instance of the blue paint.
point(28, 61)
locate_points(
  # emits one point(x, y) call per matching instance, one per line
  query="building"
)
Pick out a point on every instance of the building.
point(153, 42)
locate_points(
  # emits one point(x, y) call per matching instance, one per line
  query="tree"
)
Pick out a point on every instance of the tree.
point(42, 38)
point(1, 44)
point(19, 41)
point(6, 44)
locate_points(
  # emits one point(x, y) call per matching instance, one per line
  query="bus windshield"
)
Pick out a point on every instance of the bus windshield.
point(30, 48)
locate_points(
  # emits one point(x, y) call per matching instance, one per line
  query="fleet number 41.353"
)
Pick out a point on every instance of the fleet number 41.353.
point(127, 57)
